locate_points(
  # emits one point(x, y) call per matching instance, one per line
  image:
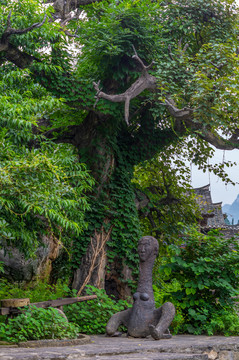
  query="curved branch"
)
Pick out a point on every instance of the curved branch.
point(183, 117)
point(13, 54)
point(145, 81)
point(144, 67)
point(179, 114)
point(219, 142)
point(184, 120)
point(10, 31)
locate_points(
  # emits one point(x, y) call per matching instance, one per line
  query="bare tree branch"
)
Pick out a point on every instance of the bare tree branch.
point(10, 31)
point(218, 67)
point(219, 142)
point(144, 67)
point(145, 81)
point(180, 49)
point(179, 114)
point(4, 41)
point(184, 119)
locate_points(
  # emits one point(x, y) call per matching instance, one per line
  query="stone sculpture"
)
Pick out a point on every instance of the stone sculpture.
point(143, 318)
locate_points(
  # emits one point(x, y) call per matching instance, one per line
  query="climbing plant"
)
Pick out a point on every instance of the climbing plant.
point(113, 84)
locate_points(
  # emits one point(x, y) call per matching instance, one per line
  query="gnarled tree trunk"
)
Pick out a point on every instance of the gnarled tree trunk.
point(92, 268)
point(94, 149)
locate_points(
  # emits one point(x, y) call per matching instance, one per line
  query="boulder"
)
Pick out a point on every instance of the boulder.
point(19, 269)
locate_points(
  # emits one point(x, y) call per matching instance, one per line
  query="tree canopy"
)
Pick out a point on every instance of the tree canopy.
point(109, 84)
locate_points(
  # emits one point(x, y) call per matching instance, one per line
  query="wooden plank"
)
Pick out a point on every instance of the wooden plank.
point(15, 302)
point(52, 303)
point(4, 311)
point(65, 301)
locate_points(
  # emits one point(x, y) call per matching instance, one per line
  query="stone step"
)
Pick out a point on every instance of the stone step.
point(180, 347)
point(144, 356)
point(40, 354)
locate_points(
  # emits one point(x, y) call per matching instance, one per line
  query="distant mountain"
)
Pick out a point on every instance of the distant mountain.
point(232, 211)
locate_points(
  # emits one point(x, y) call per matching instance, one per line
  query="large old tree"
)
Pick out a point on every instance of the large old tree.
point(120, 81)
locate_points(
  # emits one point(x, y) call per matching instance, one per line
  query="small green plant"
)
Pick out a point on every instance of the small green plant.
point(92, 316)
point(160, 294)
point(36, 324)
point(201, 278)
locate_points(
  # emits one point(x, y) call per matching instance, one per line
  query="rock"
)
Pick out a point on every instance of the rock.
point(19, 269)
point(212, 355)
point(122, 348)
point(226, 355)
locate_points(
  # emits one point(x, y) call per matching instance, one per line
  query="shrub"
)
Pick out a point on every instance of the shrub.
point(36, 324)
point(164, 292)
point(201, 278)
point(92, 316)
point(35, 291)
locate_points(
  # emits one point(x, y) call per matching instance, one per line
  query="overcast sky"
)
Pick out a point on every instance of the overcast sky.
point(219, 191)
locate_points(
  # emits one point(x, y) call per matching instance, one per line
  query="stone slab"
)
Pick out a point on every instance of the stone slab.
point(132, 356)
point(181, 347)
point(83, 339)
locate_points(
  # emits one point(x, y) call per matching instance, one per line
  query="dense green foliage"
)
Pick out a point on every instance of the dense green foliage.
point(201, 277)
point(50, 127)
point(198, 76)
point(93, 315)
point(88, 317)
point(120, 212)
point(35, 291)
point(42, 183)
point(169, 196)
point(37, 324)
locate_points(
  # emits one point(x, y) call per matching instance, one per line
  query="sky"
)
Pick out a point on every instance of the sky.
point(219, 191)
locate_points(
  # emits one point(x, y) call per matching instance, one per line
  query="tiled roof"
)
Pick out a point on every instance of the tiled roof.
point(212, 215)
